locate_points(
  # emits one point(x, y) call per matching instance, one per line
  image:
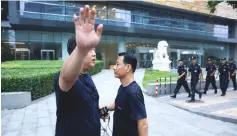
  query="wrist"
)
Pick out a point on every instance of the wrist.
point(82, 52)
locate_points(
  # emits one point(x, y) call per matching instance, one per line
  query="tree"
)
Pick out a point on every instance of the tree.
point(212, 4)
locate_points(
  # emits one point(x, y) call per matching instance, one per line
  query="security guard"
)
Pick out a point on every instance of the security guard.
point(224, 76)
point(182, 71)
point(210, 78)
point(233, 70)
point(195, 71)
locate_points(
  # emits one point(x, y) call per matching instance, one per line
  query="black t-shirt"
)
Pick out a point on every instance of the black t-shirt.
point(78, 109)
point(210, 69)
point(195, 71)
point(129, 107)
point(181, 70)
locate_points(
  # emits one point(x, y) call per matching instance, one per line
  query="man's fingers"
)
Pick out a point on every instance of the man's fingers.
point(86, 14)
point(99, 29)
point(81, 20)
point(75, 18)
point(92, 16)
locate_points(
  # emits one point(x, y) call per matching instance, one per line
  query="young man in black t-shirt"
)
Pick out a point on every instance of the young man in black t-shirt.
point(130, 117)
point(76, 95)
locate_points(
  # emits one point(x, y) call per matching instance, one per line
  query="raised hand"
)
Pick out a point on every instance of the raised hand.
point(86, 36)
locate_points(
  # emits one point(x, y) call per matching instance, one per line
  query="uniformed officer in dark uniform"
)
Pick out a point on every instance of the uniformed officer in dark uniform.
point(182, 71)
point(233, 70)
point(210, 78)
point(196, 72)
point(224, 76)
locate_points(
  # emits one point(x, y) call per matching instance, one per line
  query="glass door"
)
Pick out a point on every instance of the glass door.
point(47, 55)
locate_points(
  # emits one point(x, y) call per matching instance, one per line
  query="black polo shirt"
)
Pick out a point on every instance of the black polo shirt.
point(77, 109)
point(195, 71)
point(129, 107)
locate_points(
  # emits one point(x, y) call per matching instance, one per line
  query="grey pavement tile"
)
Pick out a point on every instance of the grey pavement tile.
point(31, 111)
point(12, 133)
point(44, 122)
point(29, 125)
point(30, 118)
point(29, 130)
point(44, 113)
point(13, 126)
point(17, 117)
point(4, 121)
point(3, 128)
point(45, 131)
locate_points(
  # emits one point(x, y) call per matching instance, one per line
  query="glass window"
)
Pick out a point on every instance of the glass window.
point(21, 35)
point(47, 36)
point(35, 36)
point(57, 37)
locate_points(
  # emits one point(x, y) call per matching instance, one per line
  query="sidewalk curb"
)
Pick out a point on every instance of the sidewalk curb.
point(204, 114)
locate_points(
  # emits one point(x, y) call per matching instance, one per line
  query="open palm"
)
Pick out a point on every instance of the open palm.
point(86, 36)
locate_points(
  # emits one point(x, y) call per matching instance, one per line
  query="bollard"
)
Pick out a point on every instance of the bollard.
point(165, 85)
point(156, 93)
point(160, 85)
point(170, 84)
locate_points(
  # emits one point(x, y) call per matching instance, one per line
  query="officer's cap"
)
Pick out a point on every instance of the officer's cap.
point(223, 58)
point(209, 59)
point(181, 60)
point(193, 57)
point(230, 59)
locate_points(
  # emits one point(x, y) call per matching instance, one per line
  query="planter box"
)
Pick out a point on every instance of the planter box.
point(15, 100)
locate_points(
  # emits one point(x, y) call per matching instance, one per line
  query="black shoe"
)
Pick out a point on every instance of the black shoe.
point(205, 92)
point(189, 95)
point(215, 92)
point(200, 95)
point(234, 89)
point(192, 100)
point(173, 96)
point(223, 94)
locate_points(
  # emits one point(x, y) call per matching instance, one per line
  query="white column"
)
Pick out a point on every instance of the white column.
point(121, 47)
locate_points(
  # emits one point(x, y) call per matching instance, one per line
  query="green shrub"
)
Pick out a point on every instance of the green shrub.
point(34, 76)
point(111, 62)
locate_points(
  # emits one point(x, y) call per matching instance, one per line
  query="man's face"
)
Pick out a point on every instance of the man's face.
point(180, 63)
point(90, 60)
point(209, 62)
point(223, 61)
point(230, 62)
point(194, 61)
point(120, 69)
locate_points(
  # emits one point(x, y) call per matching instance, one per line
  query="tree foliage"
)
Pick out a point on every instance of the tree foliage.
point(212, 4)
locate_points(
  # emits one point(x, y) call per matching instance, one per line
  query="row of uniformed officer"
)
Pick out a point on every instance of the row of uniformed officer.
point(227, 71)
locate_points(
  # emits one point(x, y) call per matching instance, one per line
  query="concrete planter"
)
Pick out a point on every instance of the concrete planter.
point(15, 100)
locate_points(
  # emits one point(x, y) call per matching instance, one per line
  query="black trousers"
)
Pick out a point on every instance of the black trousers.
point(224, 81)
point(233, 78)
point(181, 82)
point(194, 82)
point(212, 80)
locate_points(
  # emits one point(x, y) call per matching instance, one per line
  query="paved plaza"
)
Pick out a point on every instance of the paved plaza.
point(38, 119)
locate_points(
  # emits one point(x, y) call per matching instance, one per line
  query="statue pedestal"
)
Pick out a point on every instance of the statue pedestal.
point(161, 64)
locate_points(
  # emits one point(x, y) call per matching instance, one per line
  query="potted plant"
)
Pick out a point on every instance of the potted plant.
point(111, 64)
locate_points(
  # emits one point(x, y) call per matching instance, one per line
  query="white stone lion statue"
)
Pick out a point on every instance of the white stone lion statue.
point(161, 51)
point(160, 57)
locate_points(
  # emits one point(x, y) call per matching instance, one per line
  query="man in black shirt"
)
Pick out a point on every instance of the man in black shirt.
point(196, 72)
point(224, 76)
point(182, 71)
point(130, 117)
point(233, 70)
point(210, 78)
point(76, 96)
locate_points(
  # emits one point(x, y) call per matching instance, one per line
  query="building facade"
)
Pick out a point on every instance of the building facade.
point(40, 30)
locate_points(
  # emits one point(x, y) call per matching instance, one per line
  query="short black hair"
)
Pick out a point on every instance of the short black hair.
point(71, 44)
point(129, 58)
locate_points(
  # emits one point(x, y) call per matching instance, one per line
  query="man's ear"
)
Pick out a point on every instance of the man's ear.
point(129, 67)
